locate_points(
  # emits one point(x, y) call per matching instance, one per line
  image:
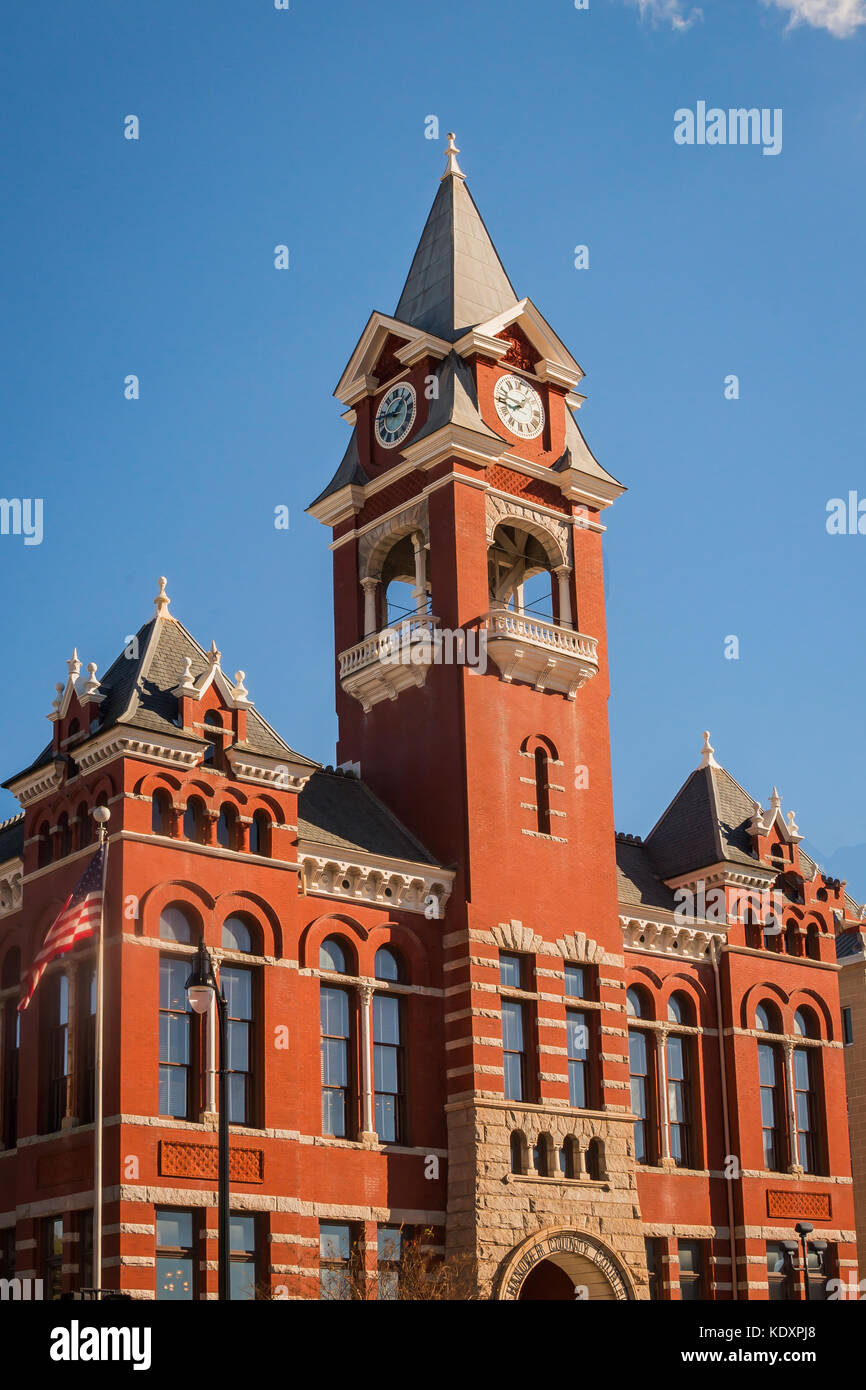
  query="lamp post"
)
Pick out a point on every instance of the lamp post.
point(792, 1249)
point(201, 985)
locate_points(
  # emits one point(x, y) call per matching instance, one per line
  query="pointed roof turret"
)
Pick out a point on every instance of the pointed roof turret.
point(456, 279)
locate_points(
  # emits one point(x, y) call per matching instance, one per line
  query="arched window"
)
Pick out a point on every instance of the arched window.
point(543, 1156)
point(332, 956)
point(792, 938)
point(542, 793)
point(260, 833)
point(236, 935)
point(160, 810)
point(595, 1160)
point(175, 925)
point(387, 965)
point(568, 1164)
point(43, 846)
point(74, 728)
point(806, 1024)
point(86, 825)
point(516, 1144)
point(813, 942)
point(680, 1009)
point(64, 837)
point(767, 1019)
point(193, 820)
point(227, 827)
point(636, 1003)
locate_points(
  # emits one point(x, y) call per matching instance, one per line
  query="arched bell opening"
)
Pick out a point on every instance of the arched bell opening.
point(526, 578)
point(405, 585)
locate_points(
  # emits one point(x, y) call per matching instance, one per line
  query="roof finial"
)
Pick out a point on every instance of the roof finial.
point(708, 752)
point(452, 167)
point(775, 800)
point(214, 656)
point(73, 665)
point(162, 599)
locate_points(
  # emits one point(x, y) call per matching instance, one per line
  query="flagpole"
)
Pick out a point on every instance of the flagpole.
point(101, 815)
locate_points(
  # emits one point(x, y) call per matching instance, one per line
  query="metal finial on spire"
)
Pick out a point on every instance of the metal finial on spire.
point(452, 167)
point(708, 752)
point(162, 599)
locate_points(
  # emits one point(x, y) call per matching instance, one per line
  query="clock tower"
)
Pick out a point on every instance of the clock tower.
point(472, 688)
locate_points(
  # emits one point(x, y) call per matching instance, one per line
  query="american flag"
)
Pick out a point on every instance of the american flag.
point(78, 918)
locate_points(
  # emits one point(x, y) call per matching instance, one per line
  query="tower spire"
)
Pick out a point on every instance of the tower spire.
point(456, 279)
point(452, 167)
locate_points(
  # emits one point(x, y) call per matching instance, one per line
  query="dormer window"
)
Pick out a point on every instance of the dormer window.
point(213, 732)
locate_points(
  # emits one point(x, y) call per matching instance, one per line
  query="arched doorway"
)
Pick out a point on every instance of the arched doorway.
point(560, 1264)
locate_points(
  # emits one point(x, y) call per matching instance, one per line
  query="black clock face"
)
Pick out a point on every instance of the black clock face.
point(395, 415)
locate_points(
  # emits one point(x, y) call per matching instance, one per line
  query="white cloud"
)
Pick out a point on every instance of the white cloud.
point(842, 18)
point(669, 12)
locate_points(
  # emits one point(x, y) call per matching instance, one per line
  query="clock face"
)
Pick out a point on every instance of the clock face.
point(395, 415)
point(519, 406)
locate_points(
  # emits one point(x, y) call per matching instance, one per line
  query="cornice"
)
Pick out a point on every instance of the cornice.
point(374, 880)
point(32, 787)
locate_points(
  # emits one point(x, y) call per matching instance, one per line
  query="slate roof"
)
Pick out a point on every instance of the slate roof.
point(704, 824)
point(349, 471)
point(456, 279)
point(848, 943)
point(457, 401)
point(637, 877)
point(341, 813)
point(12, 838)
point(138, 693)
point(577, 454)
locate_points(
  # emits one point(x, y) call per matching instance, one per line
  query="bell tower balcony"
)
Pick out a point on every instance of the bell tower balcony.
point(389, 661)
point(544, 654)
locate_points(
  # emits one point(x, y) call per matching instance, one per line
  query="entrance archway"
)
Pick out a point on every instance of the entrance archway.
point(563, 1264)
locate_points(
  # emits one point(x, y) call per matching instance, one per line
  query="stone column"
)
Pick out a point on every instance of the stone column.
point(365, 1006)
point(370, 586)
point(419, 593)
point(664, 1116)
point(794, 1164)
point(563, 574)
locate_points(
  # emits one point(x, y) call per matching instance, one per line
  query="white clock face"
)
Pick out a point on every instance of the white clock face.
point(395, 415)
point(519, 406)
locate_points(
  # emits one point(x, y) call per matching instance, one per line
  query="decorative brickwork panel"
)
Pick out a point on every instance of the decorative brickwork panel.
point(401, 490)
point(520, 352)
point(530, 489)
point(53, 1170)
point(809, 1206)
point(200, 1161)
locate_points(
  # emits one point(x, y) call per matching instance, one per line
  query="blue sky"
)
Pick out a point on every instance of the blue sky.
point(306, 127)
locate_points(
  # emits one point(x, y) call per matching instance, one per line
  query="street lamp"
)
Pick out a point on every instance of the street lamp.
point(816, 1247)
point(201, 985)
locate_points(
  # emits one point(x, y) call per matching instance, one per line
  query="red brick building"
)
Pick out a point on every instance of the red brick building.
point(462, 1008)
